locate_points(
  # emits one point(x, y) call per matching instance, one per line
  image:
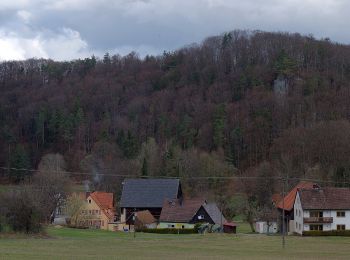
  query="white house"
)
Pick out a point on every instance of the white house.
point(322, 209)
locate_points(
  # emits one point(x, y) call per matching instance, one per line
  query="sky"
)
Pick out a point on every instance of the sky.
point(72, 29)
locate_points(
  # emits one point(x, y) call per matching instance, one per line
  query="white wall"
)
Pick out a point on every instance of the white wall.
point(298, 215)
point(299, 218)
point(123, 215)
point(262, 227)
point(340, 220)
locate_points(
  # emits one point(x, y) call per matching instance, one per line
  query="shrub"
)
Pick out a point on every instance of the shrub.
point(167, 230)
point(20, 212)
point(196, 227)
point(327, 233)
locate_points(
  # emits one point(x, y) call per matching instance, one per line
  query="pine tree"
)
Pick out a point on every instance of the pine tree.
point(18, 162)
point(219, 125)
point(144, 170)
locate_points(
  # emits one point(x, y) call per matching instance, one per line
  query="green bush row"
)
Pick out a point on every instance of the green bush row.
point(327, 233)
point(167, 230)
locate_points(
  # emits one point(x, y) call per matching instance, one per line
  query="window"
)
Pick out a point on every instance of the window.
point(316, 227)
point(316, 214)
point(340, 214)
point(340, 227)
point(90, 201)
point(296, 225)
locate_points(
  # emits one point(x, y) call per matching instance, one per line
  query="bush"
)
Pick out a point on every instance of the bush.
point(167, 230)
point(326, 233)
point(197, 226)
point(20, 212)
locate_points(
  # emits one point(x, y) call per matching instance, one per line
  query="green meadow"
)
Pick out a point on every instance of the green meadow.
point(64, 243)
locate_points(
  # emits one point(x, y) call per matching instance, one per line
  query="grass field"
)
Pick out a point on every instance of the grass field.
point(63, 243)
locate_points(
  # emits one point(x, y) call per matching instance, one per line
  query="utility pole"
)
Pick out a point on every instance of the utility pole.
point(221, 224)
point(134, 218)
point(283, 214)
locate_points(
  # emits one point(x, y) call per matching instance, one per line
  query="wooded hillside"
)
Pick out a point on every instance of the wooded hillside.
point(224, 106)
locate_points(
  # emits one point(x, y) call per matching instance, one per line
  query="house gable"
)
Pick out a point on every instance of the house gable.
point(92, 204)
point(202, 216)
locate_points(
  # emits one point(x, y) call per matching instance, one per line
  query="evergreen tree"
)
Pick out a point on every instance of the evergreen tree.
point(128, 144)
point(186, 133)
point(144, 170)
point(18, 162)
point(219, 125)
point(285, 65)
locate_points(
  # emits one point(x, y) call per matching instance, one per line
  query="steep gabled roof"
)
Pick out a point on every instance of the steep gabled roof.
point(180, 211)
point(325, 199)
point(148, 193)
point(215, 213)
point(290, 198)
point(105, 201)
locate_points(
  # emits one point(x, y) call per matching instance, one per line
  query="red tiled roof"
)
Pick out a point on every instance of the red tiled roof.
point(180, 211)
point(289, 199)
point(105, 201)
point(230, 224)
point(325, 199)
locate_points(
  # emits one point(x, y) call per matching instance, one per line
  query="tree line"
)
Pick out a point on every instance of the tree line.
point(233, 104)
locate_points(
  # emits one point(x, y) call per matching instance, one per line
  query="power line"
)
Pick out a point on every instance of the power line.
point(223, 178)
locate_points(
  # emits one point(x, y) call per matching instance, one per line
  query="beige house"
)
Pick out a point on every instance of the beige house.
point(97, 211)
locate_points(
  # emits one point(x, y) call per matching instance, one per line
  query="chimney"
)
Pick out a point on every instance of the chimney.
point(315, 187)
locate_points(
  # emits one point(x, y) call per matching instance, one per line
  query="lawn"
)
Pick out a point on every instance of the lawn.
point(64, 243)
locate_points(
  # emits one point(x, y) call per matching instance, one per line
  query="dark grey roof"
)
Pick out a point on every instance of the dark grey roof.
point(214, 213)
point(148, 193)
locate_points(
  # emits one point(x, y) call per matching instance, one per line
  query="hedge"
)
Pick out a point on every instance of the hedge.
point(326, 233)
point(167, 230)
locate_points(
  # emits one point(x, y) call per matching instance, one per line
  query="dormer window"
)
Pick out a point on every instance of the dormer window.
point(89, 201)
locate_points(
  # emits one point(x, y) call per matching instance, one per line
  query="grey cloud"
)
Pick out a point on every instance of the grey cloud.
point(157, 25)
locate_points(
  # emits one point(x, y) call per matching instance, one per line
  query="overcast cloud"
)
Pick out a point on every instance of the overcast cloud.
point(70, 29)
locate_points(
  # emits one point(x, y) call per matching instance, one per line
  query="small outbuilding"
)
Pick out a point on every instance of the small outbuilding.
point(264, 227)
point(230, 227)
point(144, 219)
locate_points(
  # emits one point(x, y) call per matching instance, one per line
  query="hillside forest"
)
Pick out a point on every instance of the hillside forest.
point(244, 103)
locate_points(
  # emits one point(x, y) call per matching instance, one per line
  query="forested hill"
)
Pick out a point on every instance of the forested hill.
point(234, 101)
